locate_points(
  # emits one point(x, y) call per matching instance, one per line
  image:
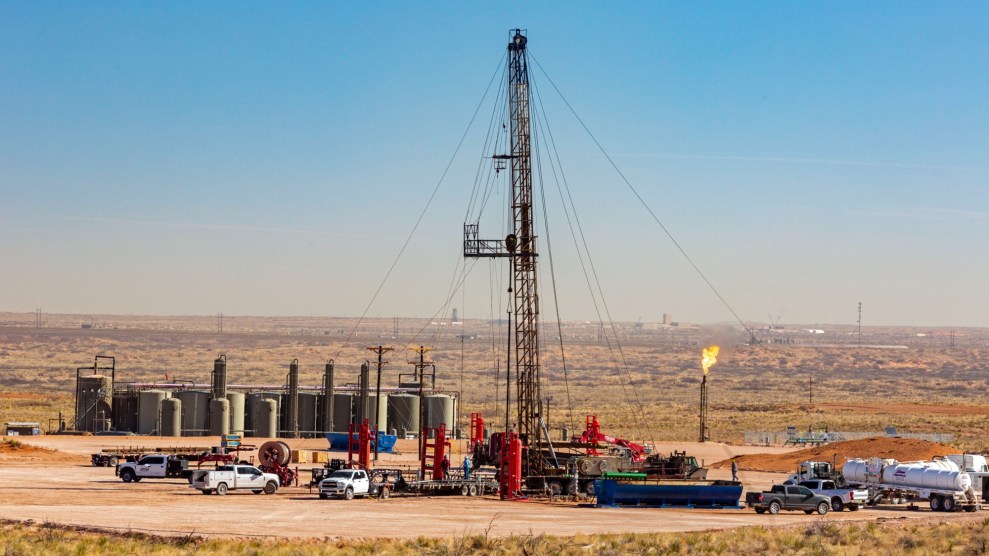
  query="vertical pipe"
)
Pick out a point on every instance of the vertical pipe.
point(328, 397)
point(293, 399)
point(362, 401)
point(377, 403)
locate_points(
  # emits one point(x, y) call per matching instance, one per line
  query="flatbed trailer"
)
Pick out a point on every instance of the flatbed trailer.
point(453, 486)
point(110, 457)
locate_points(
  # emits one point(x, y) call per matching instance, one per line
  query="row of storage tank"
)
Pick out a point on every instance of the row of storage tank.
point(264, 414)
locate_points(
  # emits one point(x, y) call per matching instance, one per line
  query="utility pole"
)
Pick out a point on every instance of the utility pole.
point(812, 389)
point(380, 350)
point(219, 323)
point(860, 324)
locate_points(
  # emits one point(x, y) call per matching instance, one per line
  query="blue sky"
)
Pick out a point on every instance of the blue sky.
point(271, 158)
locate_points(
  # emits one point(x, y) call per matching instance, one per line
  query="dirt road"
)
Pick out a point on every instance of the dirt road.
point(77, 494)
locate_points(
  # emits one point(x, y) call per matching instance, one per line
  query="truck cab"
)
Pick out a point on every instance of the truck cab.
point(841, 497)
point(154, 466)
point(233, 477)
point(788, 497)
point(345, 483)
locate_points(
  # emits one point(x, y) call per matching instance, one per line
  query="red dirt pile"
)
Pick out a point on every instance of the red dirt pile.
point(900, 449)
point(12, 450)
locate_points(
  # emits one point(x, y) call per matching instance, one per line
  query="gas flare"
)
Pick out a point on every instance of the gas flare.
point(710, 357)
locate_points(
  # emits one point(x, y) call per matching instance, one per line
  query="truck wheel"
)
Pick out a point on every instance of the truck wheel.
point(384, 493)
point(760, 510)
point(113, 461)
point(221, 489)
point(127, 475)
point(935, 503)
point(555, 488)
point(949, 504)
point(774, 507)
point(589, 488)
point(349, 493)
point(823, 508)
point(464, 491)
point(472, 491)
point(323, 496)
point(836, 504)
point(137, 479)
point(270, 487)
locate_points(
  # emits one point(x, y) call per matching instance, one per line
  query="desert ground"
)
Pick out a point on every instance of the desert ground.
point(50, 480)
point(917, 380)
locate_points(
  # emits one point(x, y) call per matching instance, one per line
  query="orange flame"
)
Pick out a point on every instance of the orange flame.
point(710, 357)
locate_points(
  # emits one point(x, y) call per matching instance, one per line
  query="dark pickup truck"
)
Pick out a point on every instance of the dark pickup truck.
point(787, 497)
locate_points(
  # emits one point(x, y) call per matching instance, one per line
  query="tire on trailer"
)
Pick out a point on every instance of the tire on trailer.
point(472, 490)
point(949, 504)
point(555, 488)
point(384, 493)
point(270, 487)
point(589, 488)
point(823, 508)
point(221, 489)
point(113, 461)
point(775, 507)
point(127, 475)
point(464, 491)
point(935, 502)
point(349, 493)
point(836, 504)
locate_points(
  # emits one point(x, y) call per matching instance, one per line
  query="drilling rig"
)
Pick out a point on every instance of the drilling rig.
point(519, 246)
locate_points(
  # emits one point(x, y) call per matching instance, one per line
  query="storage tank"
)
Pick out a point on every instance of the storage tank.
point(937, 474)
point(266, 415)
point(125, 411)
point(219, 416)
point(308, 425)
point(342, 411)
point(149, 411)
point(380, 409)
point(171, 417)
point(237, 413)
point(403, 413)
point(94, 399)
point(195, 412)
point(439, 410)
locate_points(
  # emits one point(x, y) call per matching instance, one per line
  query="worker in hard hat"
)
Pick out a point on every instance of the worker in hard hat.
point(466, 466)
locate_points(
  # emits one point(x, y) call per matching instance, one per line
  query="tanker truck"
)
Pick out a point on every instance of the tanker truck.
point(940, 481)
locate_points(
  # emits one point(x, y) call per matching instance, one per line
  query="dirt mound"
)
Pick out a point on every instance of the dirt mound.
point(900, 449)
point(12, 451)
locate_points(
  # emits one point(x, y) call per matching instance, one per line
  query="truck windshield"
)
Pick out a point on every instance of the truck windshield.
point(342, 474)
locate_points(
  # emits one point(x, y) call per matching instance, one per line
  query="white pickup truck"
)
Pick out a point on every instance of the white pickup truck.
point(231, 477)
point(345, 483)
point(841, 498)
point(153, 467)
